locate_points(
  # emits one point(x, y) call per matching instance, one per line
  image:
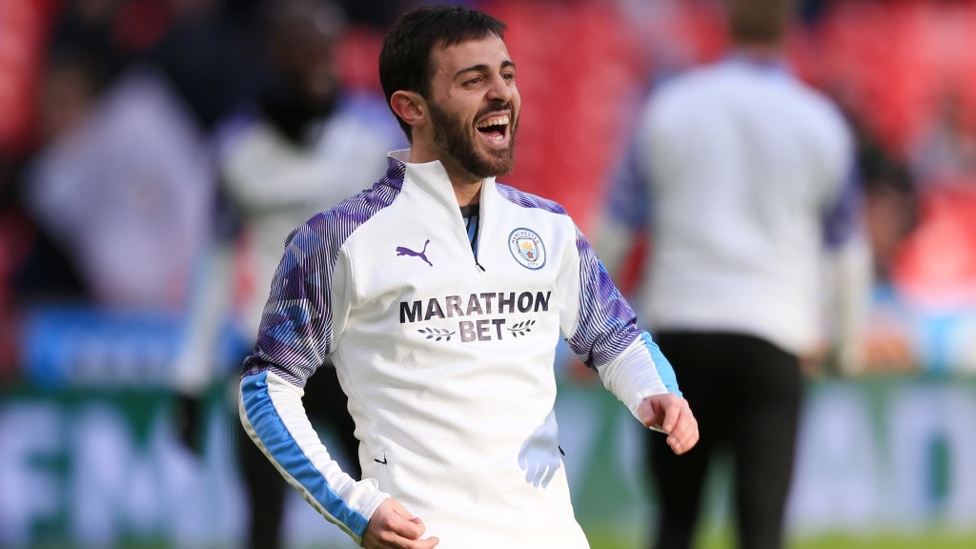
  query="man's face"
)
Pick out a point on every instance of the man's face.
point(474, 106)
point(304, 51)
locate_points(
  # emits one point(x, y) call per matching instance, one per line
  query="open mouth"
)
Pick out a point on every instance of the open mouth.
point(495, 128)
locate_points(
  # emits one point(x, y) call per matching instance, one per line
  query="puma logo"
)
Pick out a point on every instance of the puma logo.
point(403, 250)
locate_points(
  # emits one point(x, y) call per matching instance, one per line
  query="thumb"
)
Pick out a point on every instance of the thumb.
point(648, 413)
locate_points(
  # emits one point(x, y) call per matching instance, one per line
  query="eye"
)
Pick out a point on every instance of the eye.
point(473, 81)
point(509, 76)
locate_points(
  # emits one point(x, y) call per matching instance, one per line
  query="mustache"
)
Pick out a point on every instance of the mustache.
point(507, 106)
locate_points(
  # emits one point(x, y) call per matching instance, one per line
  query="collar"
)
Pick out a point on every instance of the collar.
point(772, 65)
point(432, 178)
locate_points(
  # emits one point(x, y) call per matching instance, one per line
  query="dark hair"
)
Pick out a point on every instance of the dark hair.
point(760, 21)
point(405, 57)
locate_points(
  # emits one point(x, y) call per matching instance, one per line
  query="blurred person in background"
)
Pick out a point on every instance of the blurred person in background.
point(935, 266)
point(120, 181)
point(106, 203)
point(944, 152)
point(113, 70)
point(36, 265)
point(890, 190)
point(303, 146)
point(891, 199)
point(743, 179)
point(76, 63)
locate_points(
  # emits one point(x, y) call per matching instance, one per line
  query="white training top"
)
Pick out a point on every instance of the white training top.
point(746, 169)
point(447, 357)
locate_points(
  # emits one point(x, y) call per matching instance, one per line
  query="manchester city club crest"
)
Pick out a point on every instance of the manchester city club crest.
point(527, 248)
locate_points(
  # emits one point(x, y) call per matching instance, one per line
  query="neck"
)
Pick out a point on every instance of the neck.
point(468, 194)
point(762, 52)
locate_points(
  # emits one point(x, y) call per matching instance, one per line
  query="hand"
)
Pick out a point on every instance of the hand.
point(671, 414)
point(392, 526)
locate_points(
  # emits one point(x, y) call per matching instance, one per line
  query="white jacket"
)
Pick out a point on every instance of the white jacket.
point(447, 358)
point(748, 179)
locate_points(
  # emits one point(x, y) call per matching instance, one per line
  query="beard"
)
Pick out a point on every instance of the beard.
point(456, 139)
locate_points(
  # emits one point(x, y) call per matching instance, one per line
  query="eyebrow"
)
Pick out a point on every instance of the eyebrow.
point(506, 64)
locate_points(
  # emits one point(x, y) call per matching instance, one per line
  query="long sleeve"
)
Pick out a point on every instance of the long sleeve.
point(272, 414)
point(606, 337)
point(849, 270)
point(304, 312)
point(639, 372)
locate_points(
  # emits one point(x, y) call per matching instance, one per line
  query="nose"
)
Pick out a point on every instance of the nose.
point(501, 89)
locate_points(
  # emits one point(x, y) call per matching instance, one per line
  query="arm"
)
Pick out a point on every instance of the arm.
point(303, 317)
point(198, 361)
point(273, 416)
point(849, 275)
point(630, 364)
point(643, 379)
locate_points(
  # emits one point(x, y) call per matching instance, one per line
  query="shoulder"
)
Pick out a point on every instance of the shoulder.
point(678, 88)
point(681, 96)
point(337, 223)
point(819, 111)
point(823, 105)
point(526, 200)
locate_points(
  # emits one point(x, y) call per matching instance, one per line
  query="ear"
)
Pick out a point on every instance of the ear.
point(410, 107)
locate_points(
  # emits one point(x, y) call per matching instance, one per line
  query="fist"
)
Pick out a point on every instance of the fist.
point(671, 415)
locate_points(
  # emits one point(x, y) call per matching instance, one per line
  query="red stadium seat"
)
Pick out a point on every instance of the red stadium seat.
point(936, 267)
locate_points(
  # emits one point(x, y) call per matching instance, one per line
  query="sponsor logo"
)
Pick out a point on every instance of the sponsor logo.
point(480, 317)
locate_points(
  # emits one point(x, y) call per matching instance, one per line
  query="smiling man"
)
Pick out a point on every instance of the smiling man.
point(440, 295)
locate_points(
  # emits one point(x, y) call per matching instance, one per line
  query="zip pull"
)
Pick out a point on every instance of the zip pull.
point(479, 265)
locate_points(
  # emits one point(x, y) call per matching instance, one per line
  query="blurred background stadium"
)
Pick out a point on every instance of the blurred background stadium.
point(96, 282)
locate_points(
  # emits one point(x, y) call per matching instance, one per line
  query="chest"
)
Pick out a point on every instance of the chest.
point(418, 271)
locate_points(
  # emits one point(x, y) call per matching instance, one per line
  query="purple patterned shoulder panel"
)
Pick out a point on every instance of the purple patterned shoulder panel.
point(606, 323)
point(528, 200)
point(296, 327)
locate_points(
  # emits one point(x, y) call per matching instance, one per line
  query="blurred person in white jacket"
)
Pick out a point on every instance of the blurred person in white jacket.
point(122, 182)
point(742, 181)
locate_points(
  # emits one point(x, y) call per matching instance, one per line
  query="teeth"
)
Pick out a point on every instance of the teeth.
point(496, 121)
